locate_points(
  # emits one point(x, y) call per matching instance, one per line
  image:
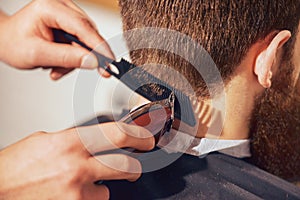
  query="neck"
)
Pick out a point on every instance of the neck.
point(228, 116)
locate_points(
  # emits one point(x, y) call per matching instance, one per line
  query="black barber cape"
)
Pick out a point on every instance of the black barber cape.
point(215, 176)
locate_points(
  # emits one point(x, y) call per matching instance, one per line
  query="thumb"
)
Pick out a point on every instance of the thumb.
point(65, 56)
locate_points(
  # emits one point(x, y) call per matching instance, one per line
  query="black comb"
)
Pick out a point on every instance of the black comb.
point(140, 81)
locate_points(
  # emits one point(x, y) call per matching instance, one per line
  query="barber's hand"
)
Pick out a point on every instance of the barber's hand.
point(58, 166)
point(26, 38)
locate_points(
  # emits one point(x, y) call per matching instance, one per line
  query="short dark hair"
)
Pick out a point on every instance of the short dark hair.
point(225, 28)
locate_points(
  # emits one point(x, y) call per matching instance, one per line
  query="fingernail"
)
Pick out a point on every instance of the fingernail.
point(55, 76)
point(89, 62)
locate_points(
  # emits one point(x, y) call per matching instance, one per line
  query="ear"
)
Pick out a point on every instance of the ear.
point(266, 58)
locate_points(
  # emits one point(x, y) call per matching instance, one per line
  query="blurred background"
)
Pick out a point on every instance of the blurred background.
point(31, 102)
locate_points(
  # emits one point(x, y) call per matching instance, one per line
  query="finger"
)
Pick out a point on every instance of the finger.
point(103, 72)
point(63, 55)
point(109, 136)
point(59, 72)
point(79, 26)
point(97, 192)
point(114, 167)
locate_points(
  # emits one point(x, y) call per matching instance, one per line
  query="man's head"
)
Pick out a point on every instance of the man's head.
point(250, 42)
point(226, 29)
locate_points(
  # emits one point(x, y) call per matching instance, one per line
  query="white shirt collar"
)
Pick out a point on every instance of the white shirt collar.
point(176, 141)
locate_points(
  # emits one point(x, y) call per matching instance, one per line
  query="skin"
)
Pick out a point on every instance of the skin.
point(275, 120)
point(262, 103)
point(251, 78)
point(261, 75)
point(31, 175)
point(33, 38)
point(57, 165)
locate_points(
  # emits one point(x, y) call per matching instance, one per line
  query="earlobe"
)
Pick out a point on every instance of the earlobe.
point(265, 60)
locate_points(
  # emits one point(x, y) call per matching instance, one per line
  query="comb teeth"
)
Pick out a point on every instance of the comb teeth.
point(123, 67)
point(208, 116)
point(202, 110)
point(144, 83)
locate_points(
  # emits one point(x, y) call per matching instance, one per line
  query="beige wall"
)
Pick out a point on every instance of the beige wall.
point(110, 4)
